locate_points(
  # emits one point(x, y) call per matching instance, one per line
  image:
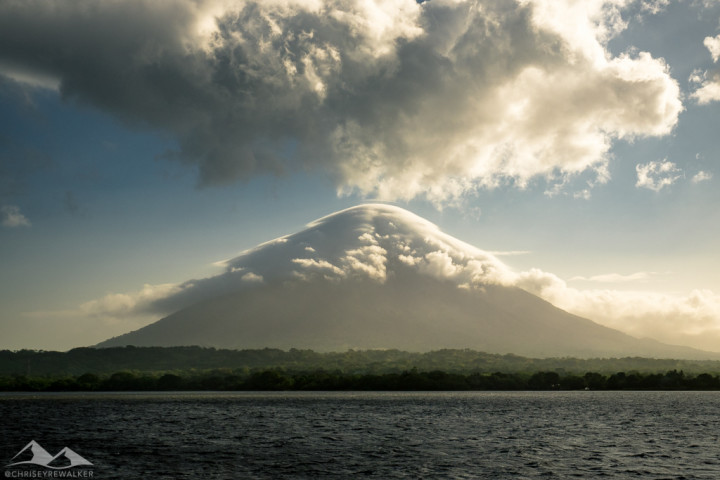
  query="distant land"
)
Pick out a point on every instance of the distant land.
point(379, 277)
point(207, 369)
point(160, 360)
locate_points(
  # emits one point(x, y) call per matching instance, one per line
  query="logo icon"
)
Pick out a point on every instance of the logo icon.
point(66, 458)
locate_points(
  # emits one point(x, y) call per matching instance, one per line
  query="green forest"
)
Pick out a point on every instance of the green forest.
point(414, 380)
point(192, 359)
point(196, 368)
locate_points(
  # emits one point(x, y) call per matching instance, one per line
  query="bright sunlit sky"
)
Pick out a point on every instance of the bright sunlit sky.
point(143, 141)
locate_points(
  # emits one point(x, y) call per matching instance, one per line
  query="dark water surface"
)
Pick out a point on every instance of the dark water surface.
point(382, 435)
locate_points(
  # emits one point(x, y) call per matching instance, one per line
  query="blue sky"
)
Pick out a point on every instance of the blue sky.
point(579, 142)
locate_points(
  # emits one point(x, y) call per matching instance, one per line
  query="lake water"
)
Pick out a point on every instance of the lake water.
point(338, 435)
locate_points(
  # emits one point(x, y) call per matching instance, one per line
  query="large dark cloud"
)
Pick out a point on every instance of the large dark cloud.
point(395, 98)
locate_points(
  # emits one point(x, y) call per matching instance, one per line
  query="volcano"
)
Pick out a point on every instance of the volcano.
point(377, 277)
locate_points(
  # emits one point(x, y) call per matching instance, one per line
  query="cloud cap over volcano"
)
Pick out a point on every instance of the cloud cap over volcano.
point(372, 242)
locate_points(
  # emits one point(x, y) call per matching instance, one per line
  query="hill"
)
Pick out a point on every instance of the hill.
point(378, 277)
point(158, 360)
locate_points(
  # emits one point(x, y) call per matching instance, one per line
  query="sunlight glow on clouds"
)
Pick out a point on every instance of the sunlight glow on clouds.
point(30, 78)
point(692, 319)
point(395, 99)
point(128, 304)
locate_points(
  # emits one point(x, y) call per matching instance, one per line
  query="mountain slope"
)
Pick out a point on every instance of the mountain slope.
point(377, 276)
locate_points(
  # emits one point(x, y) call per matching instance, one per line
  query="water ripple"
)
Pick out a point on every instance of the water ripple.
point(656, 435)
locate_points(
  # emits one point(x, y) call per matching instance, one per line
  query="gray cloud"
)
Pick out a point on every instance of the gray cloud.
point(395, 99)
point(11, 217)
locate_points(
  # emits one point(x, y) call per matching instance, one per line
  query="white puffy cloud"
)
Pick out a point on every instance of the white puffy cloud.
point(692, 319)
point(367, 260)
point(709, 82)
point(439, 264)
point(129, 304)
point(252, 278)
point(393, 98)
point(409, 259)
point(713, 45)
point(11, 217)
point(657, 175)
point(308, 265)
point(709, 87)
point(702, 176)
point(655, 6)
point(708, 92)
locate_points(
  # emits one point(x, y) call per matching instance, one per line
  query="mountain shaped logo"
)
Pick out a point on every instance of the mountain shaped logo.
point(66, 458)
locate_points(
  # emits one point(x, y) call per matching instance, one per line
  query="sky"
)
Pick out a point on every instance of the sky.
point(142, 142)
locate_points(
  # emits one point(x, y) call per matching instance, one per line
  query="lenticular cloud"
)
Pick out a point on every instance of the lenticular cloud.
point(394, 98)
point(364, 243)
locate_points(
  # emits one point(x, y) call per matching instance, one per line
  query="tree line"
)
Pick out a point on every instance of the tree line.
point(106, 361)
point(412, 380)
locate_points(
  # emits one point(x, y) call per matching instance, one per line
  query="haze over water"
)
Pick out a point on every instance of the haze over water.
point(376, 435)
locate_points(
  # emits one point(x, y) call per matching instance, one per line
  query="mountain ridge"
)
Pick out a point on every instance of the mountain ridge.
point(378, 276)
